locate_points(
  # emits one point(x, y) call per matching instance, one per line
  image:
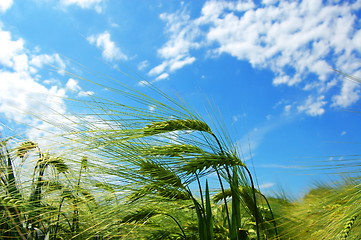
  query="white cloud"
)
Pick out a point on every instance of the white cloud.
point(5, 5)
point(269, 1)
point(143, 83)
point(235, 118)
point(238, 117)
point(350, 93)
point(313, 106)
point(213, 9)
point(22, 93)
point(72, 85)
point(180, 63)
point(85, 4)
point(152, 108)
point(41, 60)
point(85, 93)
point(279, 166)
point(300, 41)
point(253, 139)
point(292, 36)
point(158, 69)
point(343, 133)
point(25, 94)
point(110, 51)
point(249, 142)
point(45, 59)
point(21, 63)
point(143, 65)
point(9, 48)
point(182, 38)
point(266, 185)
point(287, 109)
point(21, 96)
point(162, 77)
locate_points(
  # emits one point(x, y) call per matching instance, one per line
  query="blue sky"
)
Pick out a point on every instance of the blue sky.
point(266, 64)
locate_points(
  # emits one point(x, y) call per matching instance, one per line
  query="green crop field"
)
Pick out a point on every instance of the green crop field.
point(124, 172)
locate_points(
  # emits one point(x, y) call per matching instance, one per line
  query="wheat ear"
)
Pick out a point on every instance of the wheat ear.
point(347, 229)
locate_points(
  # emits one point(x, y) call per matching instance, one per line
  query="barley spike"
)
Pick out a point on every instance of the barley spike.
point(346, 230)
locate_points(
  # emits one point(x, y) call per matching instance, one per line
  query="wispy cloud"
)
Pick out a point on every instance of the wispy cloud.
point(152, 108)
point(266, 185)
point(182, 32)
point(236, 118)
point(252, 139)
point(110, 51)
point(143, 65)
point(143, 83)
point(162, 76)
point(85, 4)
point(300, 41)
point(279, 166)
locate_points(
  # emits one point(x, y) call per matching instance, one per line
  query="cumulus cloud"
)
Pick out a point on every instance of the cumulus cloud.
point(45, 59)
point(5, 5)
point(300, 41)
point(313, 106)
point(20, 95)
point(25, 93)
point(21, 92)
point(39, 61)
point(9, 48)
point(85, 4)
point(73, 85)
point(110, 51)
point(294, 35)
point(350, 93)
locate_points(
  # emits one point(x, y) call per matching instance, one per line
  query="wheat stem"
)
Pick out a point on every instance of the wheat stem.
point(255, 202)
point(175, 220)
point(274, 220)
point(221, 184)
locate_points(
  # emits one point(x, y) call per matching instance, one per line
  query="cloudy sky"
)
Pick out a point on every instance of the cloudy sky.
point(267, 65)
